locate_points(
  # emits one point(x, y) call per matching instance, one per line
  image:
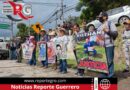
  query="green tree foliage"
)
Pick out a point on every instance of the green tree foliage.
point(73, 19)
point(24, 30)
point(91, 8)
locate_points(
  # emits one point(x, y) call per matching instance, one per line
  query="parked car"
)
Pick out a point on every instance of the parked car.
point(4, 49)
point(116, 15)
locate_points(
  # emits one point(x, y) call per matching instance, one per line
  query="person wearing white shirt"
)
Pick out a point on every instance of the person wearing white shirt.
point(62, 46)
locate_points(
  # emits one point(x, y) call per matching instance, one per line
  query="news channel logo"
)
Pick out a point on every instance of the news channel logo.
point(27, 9)
point(23, 10)
point(105, 84)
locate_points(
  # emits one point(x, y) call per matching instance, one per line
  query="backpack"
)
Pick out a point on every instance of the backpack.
point(114, 35)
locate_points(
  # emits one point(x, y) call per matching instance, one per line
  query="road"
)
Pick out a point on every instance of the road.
point(9, 68)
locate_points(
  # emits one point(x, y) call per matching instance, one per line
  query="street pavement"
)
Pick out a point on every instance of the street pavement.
point(10, 68)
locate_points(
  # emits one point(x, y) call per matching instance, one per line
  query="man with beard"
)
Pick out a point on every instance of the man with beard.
point(110, 33)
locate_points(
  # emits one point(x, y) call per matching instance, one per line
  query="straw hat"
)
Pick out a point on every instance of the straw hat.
point(42, 30)
point(52, 33)
point(62, 29)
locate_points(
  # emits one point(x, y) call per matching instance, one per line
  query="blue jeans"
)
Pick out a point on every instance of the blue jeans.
point(33, 60)
point(110, 62)
point(63, 65)
point(45, 63)
point(13, 54)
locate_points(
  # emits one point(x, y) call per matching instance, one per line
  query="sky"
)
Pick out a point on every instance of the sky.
point(42, 12)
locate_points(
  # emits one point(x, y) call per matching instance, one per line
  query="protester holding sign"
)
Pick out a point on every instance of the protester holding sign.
point(62, 50)
point(44, 38)
point(76, 32)
point(51, 49)
point(33, 44)
point(110, 34)
point(126, 44)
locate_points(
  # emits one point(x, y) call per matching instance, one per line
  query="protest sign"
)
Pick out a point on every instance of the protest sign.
point(27, 51)
point(42, 51)
point(51, 52)
point(61, 51)
point(93, 54)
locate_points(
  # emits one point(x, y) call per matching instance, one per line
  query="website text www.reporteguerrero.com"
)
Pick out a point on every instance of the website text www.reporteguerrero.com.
point(45, 81)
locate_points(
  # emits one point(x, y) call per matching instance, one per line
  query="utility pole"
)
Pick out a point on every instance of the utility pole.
point(56, 18)
point(12, 29)
point(62, 10)
point(29, 28)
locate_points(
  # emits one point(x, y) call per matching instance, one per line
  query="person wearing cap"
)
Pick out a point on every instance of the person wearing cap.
point(44, 37)
point(126, 45)
point(63, 59)
point(33, 43)
point(52, 35)
point(110, 33)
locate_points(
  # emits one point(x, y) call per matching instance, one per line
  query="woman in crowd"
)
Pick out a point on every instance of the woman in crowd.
point(33, 43)
point(77, 31)
point(44, 38)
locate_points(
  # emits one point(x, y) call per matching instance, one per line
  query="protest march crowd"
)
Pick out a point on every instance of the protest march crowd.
point(59, 45)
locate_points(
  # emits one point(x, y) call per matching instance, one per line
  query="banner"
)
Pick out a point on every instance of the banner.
point(27, 51)
point(58, 83)
point(51, 52)
point(42, 51)
point(91, 52)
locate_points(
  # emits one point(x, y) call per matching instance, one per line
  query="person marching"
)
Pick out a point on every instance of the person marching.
point(126, 45)
point(110, 34)
point(44, 38)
